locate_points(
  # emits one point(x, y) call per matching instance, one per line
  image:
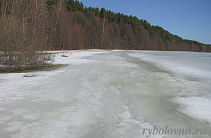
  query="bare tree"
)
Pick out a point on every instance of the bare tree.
point(103, 33)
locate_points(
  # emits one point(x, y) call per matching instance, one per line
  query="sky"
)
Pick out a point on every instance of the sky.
point(189, 19)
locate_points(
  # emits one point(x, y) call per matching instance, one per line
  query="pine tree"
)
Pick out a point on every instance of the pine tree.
point(70, 5)
point(102, 12)
point(97, 12)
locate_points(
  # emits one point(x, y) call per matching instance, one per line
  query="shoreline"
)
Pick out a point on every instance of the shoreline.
point(44, 68)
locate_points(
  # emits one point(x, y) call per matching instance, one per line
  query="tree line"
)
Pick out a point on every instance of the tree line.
point(86, 25)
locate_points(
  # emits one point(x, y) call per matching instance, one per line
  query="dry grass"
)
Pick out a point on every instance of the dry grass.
point(44, 68)
point(64, 55)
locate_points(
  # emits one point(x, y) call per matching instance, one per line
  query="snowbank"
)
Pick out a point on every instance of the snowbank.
point(74, 57)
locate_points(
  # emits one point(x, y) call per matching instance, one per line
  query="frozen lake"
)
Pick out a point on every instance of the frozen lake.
point(109, 94)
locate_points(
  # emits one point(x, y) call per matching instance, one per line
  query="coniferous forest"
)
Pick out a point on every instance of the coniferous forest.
point(28, 26)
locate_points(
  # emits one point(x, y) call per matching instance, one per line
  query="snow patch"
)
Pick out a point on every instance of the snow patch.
point(75, 58)
point(196, 107)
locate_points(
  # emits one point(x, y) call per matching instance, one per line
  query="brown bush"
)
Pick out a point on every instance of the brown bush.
point(23, 34)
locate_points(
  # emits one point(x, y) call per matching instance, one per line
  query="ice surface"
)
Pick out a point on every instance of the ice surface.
point(192, 91)
point(197, 107)
point(186, 63)
point(104, 94)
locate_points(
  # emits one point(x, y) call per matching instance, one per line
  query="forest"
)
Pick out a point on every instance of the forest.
point(89, 28)
point(29, 26)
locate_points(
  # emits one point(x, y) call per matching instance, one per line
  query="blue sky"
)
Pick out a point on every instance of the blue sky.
point(189, 19)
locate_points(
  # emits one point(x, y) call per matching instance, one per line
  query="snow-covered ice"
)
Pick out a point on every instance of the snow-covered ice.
point(197, 107)
point(191, 83)
point(108, 94)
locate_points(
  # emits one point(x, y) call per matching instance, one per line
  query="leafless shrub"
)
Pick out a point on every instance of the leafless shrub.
point(23, 26)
